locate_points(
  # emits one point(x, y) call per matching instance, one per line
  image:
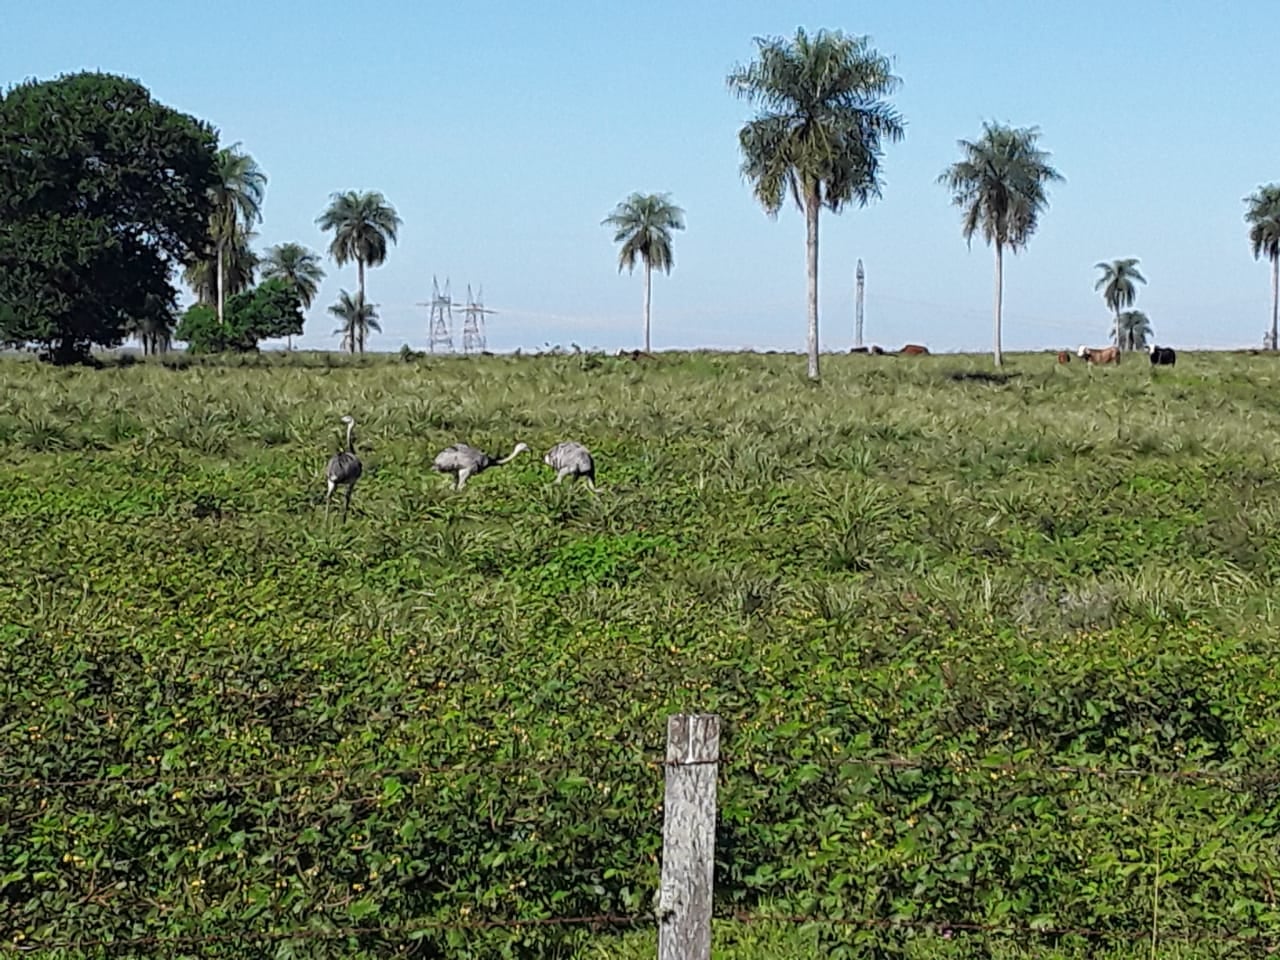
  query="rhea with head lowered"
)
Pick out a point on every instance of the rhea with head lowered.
point(571, 459)
point(343, 470)
point(464, 460)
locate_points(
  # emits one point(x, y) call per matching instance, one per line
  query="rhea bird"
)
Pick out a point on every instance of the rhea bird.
point(464, 461)
point(343, 470)
point(571, 459)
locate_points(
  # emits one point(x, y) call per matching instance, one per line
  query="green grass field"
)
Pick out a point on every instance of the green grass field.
point(1064, 568)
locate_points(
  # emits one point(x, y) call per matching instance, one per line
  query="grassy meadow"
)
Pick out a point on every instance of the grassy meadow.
point(222, 715)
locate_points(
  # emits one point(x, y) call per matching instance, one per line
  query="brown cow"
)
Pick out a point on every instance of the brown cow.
point(1064, 357)
point(1094, 355)
point(914, 350)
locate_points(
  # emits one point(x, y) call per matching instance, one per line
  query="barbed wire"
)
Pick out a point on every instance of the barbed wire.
point(569, 765)
point(944, 927)
point(22, 945)
point(940, 928)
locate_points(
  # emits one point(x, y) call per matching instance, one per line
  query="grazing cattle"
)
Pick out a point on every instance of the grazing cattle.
point(858, 350)
point(878, 351)
point(1163, 356)
point(1093, 355)
point(914, 350)
point(1064, 357)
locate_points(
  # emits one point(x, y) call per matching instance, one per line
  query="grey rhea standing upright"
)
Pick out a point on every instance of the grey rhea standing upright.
point(344, 469)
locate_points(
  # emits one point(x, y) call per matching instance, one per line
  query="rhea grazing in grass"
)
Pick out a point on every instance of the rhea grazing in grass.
point(571, 459)
point(343, 470)
point(464, 460)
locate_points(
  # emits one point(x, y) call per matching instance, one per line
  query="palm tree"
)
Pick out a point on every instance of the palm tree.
point(643, 225)
point(357, 317)
point(239, 264)
point(1263, 217)
point(362, 224)
point(297, 266)
point(1133, 330)
point(819, 132)
point(154, 330)
point(237, 205)
point(1117, 286)
point(1000, 186)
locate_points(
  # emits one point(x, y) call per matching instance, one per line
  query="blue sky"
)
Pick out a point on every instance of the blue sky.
point(504, 132)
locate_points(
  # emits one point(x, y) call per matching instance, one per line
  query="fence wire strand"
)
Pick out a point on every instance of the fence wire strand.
point(319, 933)
point(938, 928)
point(566, 766)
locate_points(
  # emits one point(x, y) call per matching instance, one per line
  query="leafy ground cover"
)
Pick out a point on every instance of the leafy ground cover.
point(1051, 593)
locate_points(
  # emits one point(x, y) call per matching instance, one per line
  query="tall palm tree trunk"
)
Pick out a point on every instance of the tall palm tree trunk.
point(221, 318)
point(648, 292)
point(999, 304)
point(1116, 330)
point(360, 272)
point(811, 207)
point(1275, 299)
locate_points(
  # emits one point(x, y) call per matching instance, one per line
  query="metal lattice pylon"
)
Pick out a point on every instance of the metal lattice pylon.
point(440, 325)
point(473, 334)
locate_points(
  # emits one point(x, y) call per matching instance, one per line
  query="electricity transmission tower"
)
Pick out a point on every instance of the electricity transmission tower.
point(473, 336)
point(440, 326)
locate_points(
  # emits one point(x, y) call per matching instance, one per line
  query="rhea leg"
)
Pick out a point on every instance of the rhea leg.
point(462, 479)
point(346, 504)
point(560, 475)
point(327, 494)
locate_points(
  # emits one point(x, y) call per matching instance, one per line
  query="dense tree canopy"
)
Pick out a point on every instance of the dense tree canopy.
point(102, 191)
point(269, 311)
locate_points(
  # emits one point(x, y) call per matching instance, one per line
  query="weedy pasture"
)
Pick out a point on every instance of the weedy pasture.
point(1051, 593)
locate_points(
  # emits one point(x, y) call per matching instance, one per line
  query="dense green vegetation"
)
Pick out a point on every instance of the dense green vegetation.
point(102, 192)
point(446, 709)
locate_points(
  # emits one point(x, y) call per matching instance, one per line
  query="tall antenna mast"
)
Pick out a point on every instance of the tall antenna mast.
point(473, 335)
point(857, 304)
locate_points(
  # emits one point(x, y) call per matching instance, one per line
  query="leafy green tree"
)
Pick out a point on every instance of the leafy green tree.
point(362, 224)
point(1263, 217)
point(297, 266)
point(1132, 330)
point(269, 311)
point(642, 224)
point(1118, 286)
point(357, 317)
point(103, 191)
point(1000, 186)
point(819, 132)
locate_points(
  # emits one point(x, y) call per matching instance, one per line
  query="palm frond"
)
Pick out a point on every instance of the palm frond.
point(296, 265)
point(643, 225)
point(999, 184)
point(822, 121)
point(363, 225)
point(1263, 218)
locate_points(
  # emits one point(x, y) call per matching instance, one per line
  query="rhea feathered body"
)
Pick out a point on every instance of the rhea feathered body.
point(343, 470)
point(464, 460)
point(571, 458)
